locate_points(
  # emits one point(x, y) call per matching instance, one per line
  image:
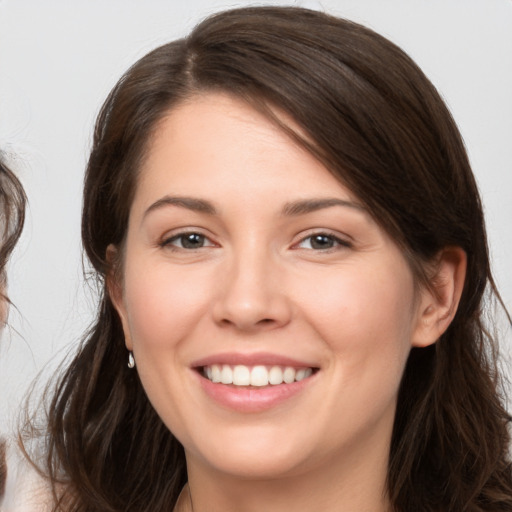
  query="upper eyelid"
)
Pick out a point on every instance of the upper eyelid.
point(184, 231)
point(174, 234)
point(342, 237)
point(340, 241)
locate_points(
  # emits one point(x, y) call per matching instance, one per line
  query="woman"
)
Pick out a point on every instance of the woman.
point(12, 216)
point(292, 248)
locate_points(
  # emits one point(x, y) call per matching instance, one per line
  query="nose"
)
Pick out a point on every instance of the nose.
point(252, 296)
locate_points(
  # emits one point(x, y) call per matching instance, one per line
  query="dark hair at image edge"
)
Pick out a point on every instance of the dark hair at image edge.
point(369, 114)
point(12, 217)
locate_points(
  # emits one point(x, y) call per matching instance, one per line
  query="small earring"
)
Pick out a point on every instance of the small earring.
point(131, 360)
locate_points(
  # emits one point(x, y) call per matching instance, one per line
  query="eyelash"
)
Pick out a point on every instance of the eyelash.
point(168, 242)
point(336, 241)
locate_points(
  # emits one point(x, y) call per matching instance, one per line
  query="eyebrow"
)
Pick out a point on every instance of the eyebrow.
point(190, 203)
point(291, 209)
point(312, 205)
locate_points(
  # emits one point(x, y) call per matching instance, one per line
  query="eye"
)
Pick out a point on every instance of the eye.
point(322, 241)
point(189, 240)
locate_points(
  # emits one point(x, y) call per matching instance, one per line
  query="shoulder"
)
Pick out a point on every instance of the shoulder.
point(25, 489)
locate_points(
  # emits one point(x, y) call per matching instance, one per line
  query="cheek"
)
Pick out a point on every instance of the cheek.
point(366, 318)
point(162, 303)
point(163, 307)
point(366, 321)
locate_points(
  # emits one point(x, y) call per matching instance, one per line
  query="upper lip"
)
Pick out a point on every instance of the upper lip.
point(255, 359)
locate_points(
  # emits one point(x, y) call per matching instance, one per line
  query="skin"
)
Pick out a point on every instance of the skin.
point(257, 283)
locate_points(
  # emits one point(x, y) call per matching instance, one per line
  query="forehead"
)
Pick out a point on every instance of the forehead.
point(216, 140)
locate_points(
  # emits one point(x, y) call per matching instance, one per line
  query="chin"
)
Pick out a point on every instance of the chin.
point(255, 455)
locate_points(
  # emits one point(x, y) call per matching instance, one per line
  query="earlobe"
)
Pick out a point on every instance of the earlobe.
point(439, 301)
point(115, 291)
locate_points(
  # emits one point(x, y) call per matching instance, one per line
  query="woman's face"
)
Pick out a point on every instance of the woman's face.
point(246, 259)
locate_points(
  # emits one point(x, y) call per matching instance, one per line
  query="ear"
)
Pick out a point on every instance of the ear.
point(439, 300)
point(115, 291)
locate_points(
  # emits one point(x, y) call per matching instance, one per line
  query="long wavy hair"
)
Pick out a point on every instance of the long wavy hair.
point(368, 113)
point(12, 217)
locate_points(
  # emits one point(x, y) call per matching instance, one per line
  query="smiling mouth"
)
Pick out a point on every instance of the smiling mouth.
point(254, 376)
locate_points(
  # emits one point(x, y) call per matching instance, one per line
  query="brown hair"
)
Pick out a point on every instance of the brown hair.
point(12, 217)
point(376, 122)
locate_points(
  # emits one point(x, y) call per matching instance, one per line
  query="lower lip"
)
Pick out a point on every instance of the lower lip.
point(253, 399)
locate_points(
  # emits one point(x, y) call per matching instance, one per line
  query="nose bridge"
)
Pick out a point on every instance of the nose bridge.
point(251, 292)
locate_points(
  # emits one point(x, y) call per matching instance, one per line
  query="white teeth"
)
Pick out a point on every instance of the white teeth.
point(216, 373)
point(226, 376)
point(289, 374)
point(299, 375)
point(241, 375)
point(257, 376)
point(303, 373)
point(275, 375)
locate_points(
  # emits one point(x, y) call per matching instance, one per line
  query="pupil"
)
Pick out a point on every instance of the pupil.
point(321, 242)
point(192, 241)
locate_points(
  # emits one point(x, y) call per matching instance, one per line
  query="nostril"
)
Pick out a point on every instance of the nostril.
point(259, 324)
point(263, 321)
point(251, 311)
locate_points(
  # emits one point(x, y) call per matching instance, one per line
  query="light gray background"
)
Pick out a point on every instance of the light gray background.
point(58, 60)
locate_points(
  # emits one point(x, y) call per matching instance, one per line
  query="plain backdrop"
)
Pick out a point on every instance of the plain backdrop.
point(59, 59)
